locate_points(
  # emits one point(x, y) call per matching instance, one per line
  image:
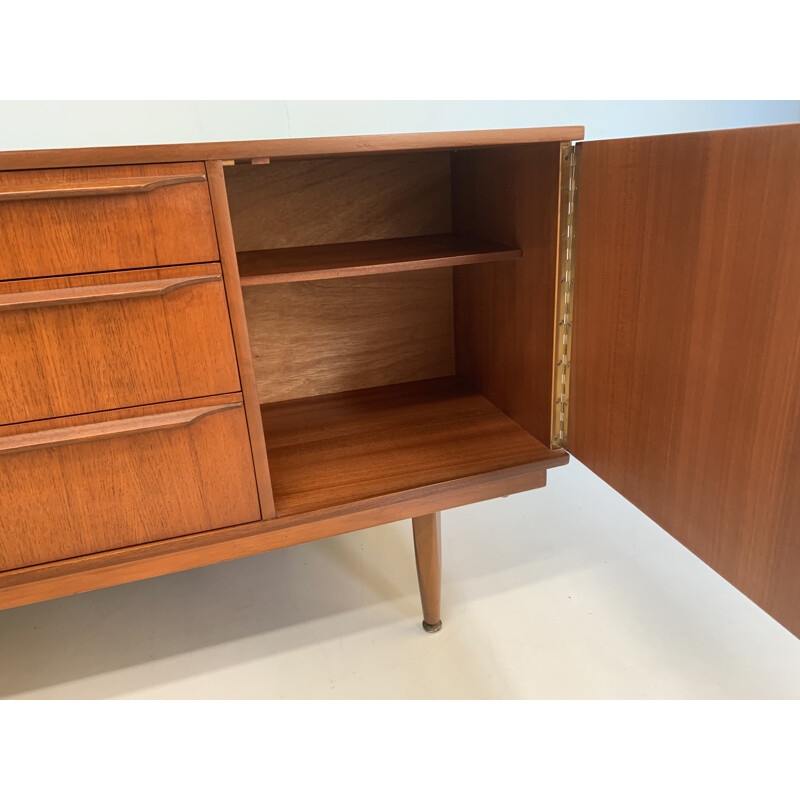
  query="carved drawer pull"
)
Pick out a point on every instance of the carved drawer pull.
point(99, 293)
point(25, 442)
point(95, 186)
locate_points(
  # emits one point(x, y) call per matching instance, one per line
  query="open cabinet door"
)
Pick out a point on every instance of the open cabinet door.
point(685, 384)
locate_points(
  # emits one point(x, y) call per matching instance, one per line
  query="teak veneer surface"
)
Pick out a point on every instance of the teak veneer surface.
point(336, 449)
point(505, 312)
point(109, 429)
point(330, 200)
point(170, 224)
point(92, 187)
point(275, 149)
point(320, 262)
point(114, 479)
point(321, 337)
point(33, 584)
point(685, 387)
point(241, 338)
point(75, 357)
point(686, 357)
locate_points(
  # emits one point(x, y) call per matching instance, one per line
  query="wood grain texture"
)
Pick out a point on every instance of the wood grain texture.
point(337, 449)
point(98, 293)
point(428, 557)
point(241, 338)
point(686, 368)
point(322, 201)
point(505, 312)
point(60, 359)
point(94, 187)
point(273, 149)
point(97, 494)
point(351, 259)
point(93, 432)
point(33, 584)
point(168, 225)
point(350, 333)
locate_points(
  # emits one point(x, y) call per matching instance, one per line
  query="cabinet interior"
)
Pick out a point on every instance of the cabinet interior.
point(401, 315)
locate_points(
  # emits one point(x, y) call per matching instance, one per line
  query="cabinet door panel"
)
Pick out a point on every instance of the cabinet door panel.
point(686, 349)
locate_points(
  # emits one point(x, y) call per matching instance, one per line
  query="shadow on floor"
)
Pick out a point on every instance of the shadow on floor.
point(341, 585)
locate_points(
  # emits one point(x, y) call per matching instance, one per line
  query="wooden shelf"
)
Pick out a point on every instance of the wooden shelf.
point(318, 262)
point(341, 448)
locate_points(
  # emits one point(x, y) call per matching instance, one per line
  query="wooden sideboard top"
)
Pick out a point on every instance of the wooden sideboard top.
point(281, 148)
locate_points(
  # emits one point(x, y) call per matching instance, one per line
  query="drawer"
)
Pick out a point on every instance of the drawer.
point(81, 485)
point(118, 339)
point(65, 221)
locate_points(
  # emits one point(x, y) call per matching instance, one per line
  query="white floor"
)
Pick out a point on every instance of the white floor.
point(566, 592)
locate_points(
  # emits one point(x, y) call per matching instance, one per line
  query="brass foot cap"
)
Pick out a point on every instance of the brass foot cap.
point(437, 626)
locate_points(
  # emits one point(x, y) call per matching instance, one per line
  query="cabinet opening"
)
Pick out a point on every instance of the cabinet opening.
point(401, 316)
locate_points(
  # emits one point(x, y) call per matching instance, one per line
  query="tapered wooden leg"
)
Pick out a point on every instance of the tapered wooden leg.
point(428, 551)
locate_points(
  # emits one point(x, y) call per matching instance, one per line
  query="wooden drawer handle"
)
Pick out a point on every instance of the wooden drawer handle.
point(24, 442)
point(97, 186)
point(99, 293)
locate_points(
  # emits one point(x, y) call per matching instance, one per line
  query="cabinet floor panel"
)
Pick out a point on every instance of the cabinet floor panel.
point(339, 448)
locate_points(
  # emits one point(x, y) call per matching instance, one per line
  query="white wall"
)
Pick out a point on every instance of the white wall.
point(38, 124)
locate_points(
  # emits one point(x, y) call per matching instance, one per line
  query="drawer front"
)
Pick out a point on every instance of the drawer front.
point(82, 485)
point(65, 221)
point(95, 342)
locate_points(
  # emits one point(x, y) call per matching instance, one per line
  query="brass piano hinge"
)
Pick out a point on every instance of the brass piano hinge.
point(566, 286)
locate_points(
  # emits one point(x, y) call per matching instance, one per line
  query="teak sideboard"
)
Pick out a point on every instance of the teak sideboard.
point(214, 350)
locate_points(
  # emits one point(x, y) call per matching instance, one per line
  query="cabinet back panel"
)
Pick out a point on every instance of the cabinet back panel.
point(505, 312)
point(321, 337)
point(326, 200)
